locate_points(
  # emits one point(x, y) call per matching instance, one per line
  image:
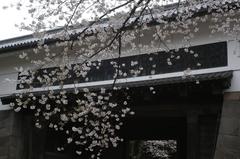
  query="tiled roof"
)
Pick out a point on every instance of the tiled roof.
point(170, 11)
point(223, 76)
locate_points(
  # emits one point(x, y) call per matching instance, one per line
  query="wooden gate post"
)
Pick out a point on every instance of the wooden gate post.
point(192, 135)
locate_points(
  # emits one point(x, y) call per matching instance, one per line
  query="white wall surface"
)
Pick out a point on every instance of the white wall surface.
point(10, 60)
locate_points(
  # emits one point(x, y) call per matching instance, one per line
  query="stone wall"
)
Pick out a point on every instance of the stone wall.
point(12, 136)
point(228, 143)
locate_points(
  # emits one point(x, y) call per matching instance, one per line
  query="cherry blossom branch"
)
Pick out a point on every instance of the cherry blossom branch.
point(159, 37)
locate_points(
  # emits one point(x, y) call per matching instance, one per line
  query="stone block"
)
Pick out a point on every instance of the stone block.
point(231, 109)
point(5, 131)
point(4, 150)
point(6, 121)
point(230, 126)
point(230, 155)
point(4, 140)
point(4, 157)
point(5, 114)
point(232, 96)
point(231, 143)
point(226, 153)
point(219, 154)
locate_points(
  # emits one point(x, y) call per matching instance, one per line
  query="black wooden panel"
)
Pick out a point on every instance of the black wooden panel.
point(197, 57)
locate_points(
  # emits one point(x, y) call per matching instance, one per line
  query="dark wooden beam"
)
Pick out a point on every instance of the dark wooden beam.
point(192, 136)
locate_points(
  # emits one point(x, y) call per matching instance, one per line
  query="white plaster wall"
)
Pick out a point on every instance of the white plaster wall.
point(235, 82)
point(8, 84)
point(234, 64)
point(10, 60)
point(234, 54)
point(8, 74)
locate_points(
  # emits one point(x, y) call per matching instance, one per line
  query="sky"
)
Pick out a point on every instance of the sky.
point(10, 17)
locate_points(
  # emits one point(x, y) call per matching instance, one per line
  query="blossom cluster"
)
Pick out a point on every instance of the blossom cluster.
point(91, 120)
point(159, 148)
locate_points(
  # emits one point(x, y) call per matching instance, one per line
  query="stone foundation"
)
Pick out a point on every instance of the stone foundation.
point(228, 143)
point(12, 136)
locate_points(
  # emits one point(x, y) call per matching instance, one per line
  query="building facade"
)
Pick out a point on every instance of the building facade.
point(194, 101)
